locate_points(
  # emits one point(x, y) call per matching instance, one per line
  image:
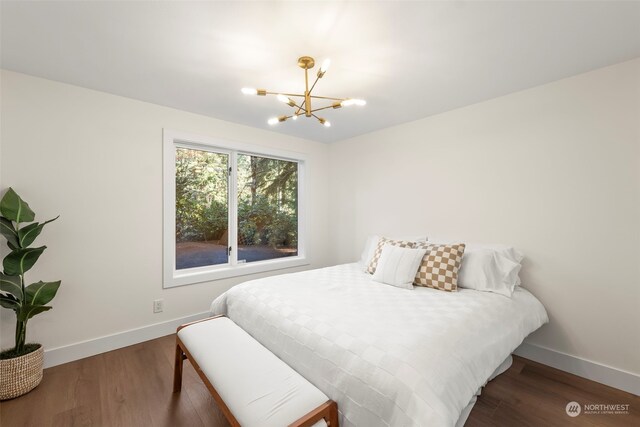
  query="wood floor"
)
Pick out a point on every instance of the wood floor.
point(131, 387)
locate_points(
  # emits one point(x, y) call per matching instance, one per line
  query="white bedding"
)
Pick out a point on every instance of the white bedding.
point(388, 356)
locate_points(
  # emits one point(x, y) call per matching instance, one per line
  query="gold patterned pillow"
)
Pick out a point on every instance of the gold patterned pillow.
point(439, 266)
point(384, 241)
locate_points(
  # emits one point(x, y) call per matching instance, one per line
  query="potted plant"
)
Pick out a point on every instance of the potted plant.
point(21, 366)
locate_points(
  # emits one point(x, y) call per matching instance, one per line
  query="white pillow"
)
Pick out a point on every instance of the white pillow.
point(505, 250)
point(372, 242)
point(367, 252)
point(509, 252)
point(398, 266)
point(488, 270)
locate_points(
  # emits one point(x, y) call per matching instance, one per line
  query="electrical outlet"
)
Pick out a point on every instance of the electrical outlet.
point(158, 305)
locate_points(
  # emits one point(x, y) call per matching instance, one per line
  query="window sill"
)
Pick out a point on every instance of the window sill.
point(206, 274)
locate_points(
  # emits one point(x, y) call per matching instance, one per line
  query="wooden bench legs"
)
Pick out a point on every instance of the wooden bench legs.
point(177, 369)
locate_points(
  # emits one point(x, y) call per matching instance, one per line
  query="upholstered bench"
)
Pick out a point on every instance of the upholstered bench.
point(252, 387)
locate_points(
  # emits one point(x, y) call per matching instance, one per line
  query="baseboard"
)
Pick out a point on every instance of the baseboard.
point(604, 374)
point(79, 350)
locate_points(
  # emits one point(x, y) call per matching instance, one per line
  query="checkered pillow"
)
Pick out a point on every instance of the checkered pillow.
point(384, 241)
point(440, 265)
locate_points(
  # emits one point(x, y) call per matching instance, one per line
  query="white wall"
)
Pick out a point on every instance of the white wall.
point(553, 170)
point(96, 159)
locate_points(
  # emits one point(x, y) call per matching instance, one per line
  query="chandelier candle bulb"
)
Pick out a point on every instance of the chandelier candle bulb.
point(324, 67)
point(275, 120)
point(350, 101)
point(286, 100)
point(325, 122)
point(249, 91)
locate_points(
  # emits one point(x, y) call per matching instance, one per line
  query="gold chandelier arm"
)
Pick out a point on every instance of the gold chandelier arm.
point(301, 107)
point(314, 85)
point(328, 97)
point(285, 94)
point(325, 108)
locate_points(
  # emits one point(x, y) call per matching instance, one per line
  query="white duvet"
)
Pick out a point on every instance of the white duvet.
point(388, 356)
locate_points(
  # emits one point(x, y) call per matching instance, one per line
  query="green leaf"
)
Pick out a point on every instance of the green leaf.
point(11, 284)
point(28, 311)
point(14, 208)
point(9, 232)
point(41, 293)
point(29, 233)
point(21, 260)
point(7, 301)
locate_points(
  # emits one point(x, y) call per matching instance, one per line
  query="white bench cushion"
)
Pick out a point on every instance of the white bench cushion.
point(259, 389)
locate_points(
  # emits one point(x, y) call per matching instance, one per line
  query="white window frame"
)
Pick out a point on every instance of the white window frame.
point(173, 277)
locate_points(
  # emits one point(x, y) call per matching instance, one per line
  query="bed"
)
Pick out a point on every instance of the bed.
point(388, 356)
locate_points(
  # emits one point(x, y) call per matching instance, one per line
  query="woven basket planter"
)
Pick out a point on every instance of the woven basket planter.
point(21, 374)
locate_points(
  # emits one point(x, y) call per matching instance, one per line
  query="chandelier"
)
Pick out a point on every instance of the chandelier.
point(303, 106)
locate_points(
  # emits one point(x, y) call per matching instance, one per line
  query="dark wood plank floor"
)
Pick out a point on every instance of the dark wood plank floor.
point(131, 387)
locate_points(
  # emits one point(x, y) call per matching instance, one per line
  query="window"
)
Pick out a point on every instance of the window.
point(202, 208)
point(229, 209)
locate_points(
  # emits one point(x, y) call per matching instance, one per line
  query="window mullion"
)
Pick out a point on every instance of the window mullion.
point(233, 208)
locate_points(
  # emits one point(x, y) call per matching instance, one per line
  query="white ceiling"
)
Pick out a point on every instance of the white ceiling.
point(407, 59)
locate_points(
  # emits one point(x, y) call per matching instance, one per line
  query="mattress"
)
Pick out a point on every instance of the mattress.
point(388, 356)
